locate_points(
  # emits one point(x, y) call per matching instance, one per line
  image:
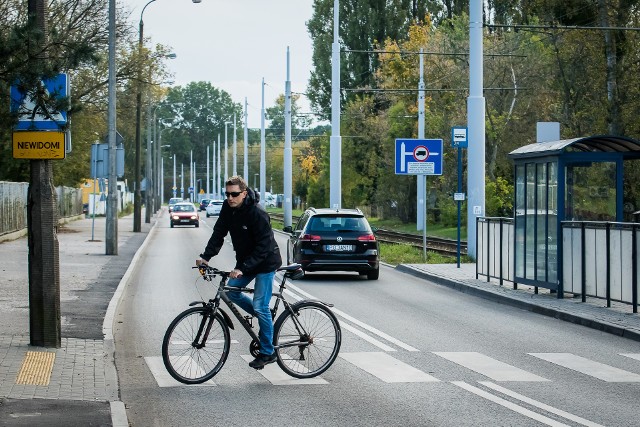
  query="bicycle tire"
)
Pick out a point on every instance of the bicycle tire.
point(325, 335)
point(186, 363)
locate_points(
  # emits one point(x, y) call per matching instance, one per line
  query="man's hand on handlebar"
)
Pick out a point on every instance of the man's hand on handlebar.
point(201, 262)
point(235, 273)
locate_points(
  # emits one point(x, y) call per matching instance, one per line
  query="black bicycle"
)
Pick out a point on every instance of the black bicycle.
point(306, 335)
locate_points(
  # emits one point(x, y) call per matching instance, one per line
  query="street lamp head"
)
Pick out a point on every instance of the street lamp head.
point(171, 55)
point(196, 1)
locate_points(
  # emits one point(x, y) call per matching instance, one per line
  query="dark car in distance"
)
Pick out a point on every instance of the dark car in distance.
point(334, 240)
point(204, 203)
point(184, 213)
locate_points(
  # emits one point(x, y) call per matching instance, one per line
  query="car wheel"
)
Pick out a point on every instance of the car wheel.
point(171, 225)
point(373, 274)
point(197, 224)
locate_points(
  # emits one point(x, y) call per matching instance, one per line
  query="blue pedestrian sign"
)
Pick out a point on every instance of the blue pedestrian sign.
point(419, 156)
point(33, 114)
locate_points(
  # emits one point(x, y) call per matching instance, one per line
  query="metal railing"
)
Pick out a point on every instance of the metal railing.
point(494, 248)
point(600, 259)
point(13, 205)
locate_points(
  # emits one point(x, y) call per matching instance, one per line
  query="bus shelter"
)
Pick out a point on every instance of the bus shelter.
point(580, 179)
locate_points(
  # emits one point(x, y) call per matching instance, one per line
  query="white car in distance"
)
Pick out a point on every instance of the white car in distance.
point(213, 208)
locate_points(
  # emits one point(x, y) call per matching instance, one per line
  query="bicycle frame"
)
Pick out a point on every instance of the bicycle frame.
point(221, 294)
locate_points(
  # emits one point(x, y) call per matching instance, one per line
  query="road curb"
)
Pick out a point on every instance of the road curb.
point(525, 305)
point(118, 410)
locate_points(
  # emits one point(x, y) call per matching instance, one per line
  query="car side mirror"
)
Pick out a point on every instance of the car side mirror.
point(287, 229)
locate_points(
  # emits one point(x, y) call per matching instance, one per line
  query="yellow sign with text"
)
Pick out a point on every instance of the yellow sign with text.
point(38, 145)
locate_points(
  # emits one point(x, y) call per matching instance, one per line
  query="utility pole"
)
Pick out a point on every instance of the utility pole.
point(422, 179)
point(148, 171)
point(335, 142)
point(207, 171)
point(288, 156)
point(263, 163)
point(218, 184)
point(111, 239)
point(226, 153)
point(245, 169)
point(174, 176)
point(191, 177)
point(44, 262)
point(235, 148)
point(476, 125)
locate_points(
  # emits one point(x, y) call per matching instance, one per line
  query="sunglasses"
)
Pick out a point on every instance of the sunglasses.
point(232, 193)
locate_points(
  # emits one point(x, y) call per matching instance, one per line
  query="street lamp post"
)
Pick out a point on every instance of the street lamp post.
point(137, 198)
point(226, 155)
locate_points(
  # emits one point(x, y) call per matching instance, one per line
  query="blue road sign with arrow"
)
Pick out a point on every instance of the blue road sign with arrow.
point(419, 156)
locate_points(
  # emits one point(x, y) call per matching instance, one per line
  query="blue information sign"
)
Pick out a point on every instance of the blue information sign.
point(32, 115)
point(459, 138)
point(419, 156)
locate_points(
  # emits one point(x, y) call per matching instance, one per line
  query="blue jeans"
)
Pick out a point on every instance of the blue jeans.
point(259, 306)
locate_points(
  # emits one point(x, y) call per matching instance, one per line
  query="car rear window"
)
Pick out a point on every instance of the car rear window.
point(319, 223)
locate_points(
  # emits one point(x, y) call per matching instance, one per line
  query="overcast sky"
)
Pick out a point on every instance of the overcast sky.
point(233, 44)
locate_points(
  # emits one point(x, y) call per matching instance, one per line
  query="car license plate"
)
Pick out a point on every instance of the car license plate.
point(184, 220)
point(338, 248)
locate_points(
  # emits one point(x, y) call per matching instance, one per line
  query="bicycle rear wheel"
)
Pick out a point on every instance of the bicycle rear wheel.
point(190, 357)
point(307, 339)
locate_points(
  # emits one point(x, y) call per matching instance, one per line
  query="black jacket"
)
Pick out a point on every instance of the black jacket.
point(251, 234)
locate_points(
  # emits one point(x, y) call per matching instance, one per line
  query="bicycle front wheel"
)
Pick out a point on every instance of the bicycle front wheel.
point(307, 339)
point(196, 345)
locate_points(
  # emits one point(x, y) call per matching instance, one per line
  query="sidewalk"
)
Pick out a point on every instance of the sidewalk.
point(619, 319)
point(76, 384)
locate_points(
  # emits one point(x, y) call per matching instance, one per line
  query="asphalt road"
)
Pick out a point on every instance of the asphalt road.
point(413, 354)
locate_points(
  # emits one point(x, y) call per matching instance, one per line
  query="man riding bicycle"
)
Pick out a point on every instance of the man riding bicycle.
point(257, 257)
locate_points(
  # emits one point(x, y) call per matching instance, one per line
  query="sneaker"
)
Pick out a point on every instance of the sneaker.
point(262, 360)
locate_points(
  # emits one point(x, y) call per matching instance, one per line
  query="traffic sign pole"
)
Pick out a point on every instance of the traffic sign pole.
point(459, 201)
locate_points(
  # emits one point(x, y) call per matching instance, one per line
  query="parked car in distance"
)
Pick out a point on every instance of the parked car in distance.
point(204, 203)
point(173, 201)
point(334, 240)
point(214, 207)
point(184, 213)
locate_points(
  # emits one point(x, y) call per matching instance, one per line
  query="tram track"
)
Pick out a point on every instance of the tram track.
point(436, 244)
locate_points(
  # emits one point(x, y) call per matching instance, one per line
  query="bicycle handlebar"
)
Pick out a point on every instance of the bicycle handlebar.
point(211, 271)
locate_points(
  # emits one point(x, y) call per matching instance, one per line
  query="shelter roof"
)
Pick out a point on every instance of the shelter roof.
point(598, 143)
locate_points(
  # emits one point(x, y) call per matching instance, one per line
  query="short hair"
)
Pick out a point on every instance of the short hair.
point(237, 180)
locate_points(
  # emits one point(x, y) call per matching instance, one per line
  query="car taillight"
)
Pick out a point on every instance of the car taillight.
point(367, 238)
point(309, 237)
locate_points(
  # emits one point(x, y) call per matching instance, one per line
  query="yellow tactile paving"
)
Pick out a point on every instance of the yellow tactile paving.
point(36, 368)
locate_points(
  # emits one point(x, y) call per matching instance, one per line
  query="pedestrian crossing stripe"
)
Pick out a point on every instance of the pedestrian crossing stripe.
point(391, 370)
point(387, 368)
point(163, 378)
point(589, 367)
point(631, 355)
point(489, 367)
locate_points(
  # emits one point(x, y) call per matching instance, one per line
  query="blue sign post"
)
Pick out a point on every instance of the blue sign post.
point(459, 140)
point(419, 156)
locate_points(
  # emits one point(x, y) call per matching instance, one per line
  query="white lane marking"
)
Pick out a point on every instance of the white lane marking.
point(276, 376)
point(631, 355)
point(589, 367)
point(509, 405)
point(487, 366)
point(359, 323)
point(387, 368)
point(343, 325)
point(162, 377)
point(540, 405)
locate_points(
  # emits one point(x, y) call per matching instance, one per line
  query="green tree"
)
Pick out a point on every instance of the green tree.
point(364, 24)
